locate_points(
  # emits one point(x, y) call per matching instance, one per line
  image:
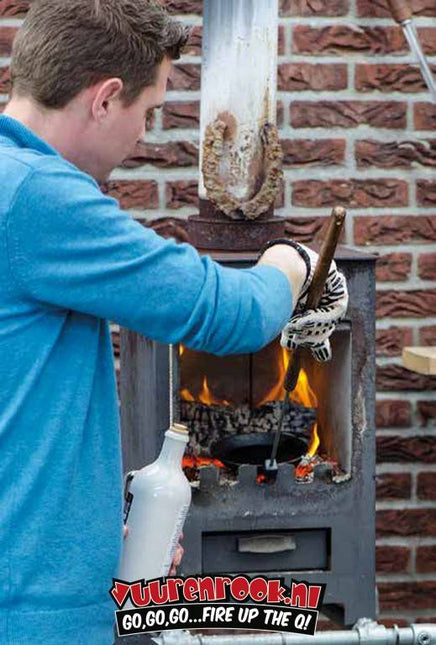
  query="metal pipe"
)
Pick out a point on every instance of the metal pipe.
point(239, 78)
point(402, 14)
point(365, 632)
point(415, 46)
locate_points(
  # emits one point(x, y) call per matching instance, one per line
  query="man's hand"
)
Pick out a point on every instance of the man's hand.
point(178, 555)
point(312, 328)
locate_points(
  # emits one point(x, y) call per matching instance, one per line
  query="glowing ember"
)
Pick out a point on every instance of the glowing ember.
point(197, 462)
point(304, 472)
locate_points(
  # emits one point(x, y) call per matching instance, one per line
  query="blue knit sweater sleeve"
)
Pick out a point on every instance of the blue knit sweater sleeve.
point(75, 249)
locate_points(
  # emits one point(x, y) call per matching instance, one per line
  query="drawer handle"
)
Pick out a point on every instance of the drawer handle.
point(266, 544)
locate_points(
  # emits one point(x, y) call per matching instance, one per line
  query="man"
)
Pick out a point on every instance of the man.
point(85, 73)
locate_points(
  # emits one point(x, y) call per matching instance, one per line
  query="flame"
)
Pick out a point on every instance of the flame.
point(205, 395)
point(314, 441)
point(186, 395)
point(303, 394)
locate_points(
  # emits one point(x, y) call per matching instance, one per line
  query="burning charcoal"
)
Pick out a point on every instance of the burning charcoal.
point(210, 423)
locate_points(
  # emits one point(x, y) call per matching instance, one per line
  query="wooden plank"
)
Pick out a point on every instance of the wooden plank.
point(420, 359)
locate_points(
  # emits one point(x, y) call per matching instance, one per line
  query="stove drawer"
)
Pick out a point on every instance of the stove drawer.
point(258, 551)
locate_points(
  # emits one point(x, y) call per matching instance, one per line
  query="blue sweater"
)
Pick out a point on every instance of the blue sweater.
point(70, 260)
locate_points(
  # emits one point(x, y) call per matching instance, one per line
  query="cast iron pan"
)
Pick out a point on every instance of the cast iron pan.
point(255, 448)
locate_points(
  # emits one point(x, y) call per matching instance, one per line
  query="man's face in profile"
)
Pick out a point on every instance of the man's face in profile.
point(127, 125)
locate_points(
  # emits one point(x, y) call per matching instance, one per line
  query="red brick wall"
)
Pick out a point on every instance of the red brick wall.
point(357, 129)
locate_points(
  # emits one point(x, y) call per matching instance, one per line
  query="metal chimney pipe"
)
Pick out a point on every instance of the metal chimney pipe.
point(240, 155)
point(239, 79)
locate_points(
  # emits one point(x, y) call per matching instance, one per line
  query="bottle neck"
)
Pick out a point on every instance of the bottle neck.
point(172, 451)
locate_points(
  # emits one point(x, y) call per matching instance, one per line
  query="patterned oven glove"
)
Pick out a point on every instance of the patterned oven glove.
point(312, 328)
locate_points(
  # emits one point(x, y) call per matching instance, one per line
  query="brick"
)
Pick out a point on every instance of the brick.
point(404, 304)
point(133, 193)
point(391, 229)
point(394, 622)
point(317, 77)
point(426, 413)
point(398, 378)
point(181, 193)
point(343, 39)
point(427, 38)
point(181, 114)
point(427, 485)
point(388, 78)
point(163, 155)
point(193, 46)
point(406, 595)
point(5, 80)
point(427, 335)
point(406, 450)
point(392, 559)
point(184, 6)
point(406, 522)
point(393, 413)
point(281, 41)
point(313, 8)
point(380, 9)
point(390, 342)
point(185, 76)
point(306, 229)
point(280, 197)
point(424, 116)
point(348, 114)
point(394, 486)
point(312, 152)
point(426, 559)
point(393, 266)
point(280, 116)
point(166, 227)
point(7, 35)
point(396, 154)
point(9, 8)
point(426, 192)
point(427, 266)
point(351, 193)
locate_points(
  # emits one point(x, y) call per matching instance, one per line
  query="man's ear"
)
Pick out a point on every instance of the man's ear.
point(106, 93)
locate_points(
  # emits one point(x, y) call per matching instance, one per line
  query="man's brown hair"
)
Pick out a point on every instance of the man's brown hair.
point(65, 46)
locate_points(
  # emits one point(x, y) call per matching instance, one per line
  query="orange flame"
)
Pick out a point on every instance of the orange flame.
point(302, 395)
point(314, 441)
point(207, 397)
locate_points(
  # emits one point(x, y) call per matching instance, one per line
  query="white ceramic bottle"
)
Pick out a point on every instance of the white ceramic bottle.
point(157, 501)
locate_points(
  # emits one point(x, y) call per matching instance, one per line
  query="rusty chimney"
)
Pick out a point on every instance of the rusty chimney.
point(240, 153)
